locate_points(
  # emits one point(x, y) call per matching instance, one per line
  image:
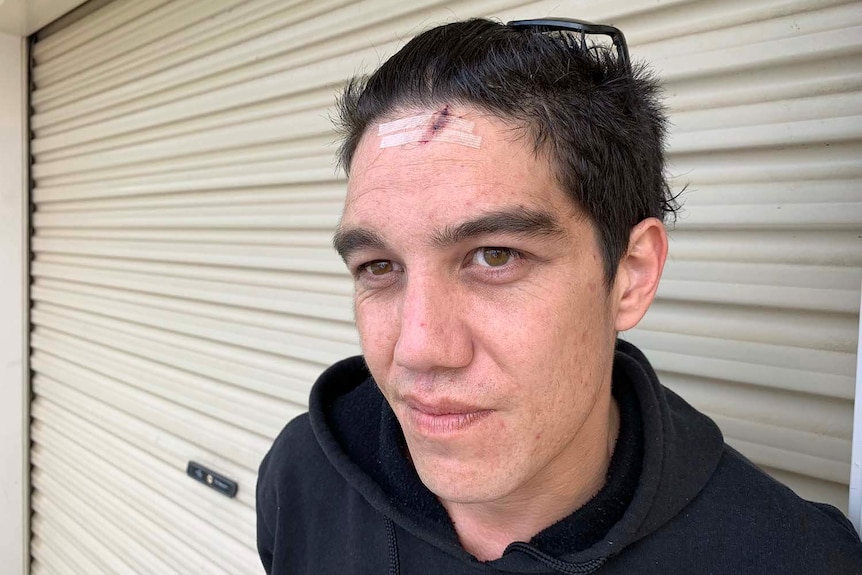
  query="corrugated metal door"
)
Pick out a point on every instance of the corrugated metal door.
point(185, 295)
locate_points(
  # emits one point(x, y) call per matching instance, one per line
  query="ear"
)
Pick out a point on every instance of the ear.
point(639, 272)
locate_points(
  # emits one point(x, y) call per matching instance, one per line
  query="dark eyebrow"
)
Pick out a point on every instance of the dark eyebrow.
point(519, 222)
point(347, 241)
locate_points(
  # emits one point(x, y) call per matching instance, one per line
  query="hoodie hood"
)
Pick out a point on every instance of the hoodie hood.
point(681, 450)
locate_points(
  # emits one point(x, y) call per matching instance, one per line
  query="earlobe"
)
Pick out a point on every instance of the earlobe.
point(639, 272)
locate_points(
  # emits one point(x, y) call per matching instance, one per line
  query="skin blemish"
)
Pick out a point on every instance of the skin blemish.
point(439, 120)
point(439, 126)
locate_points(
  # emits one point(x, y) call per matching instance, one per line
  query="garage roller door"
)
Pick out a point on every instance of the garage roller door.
point(185, 295)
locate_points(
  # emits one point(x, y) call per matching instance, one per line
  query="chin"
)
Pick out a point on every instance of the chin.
point(461, 481)
point(450, 492)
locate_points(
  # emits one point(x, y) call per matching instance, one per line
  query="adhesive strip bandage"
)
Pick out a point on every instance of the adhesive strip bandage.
point(425, 128)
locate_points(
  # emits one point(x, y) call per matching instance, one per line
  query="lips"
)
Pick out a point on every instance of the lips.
point(441, 407)
point(442, 417)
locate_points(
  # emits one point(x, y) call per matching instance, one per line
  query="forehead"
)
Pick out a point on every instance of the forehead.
point(445, 164)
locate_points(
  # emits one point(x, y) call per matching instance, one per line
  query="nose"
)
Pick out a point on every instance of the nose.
point(434, 334)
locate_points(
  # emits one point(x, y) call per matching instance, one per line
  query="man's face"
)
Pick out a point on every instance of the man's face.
point(482, 310)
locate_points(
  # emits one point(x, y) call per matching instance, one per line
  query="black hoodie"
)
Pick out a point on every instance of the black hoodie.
point(336, 494)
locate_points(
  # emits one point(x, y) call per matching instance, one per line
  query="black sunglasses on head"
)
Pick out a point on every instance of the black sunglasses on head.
point(579, 27)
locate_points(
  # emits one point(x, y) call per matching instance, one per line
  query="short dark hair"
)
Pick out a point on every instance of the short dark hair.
point(601, 122)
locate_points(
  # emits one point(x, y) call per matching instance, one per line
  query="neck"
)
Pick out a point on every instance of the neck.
point(486, 529)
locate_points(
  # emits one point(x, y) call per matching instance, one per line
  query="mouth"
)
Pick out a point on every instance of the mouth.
point(442, 417)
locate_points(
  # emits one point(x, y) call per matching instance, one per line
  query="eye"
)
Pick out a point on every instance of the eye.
point(380, 267)
point(493, 257)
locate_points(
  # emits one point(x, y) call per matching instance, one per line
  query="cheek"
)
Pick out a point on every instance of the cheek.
point(554, 340)
point(377, 324)
point(549, 322)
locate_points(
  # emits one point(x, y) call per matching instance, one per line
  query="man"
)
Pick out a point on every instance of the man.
point(503, 222)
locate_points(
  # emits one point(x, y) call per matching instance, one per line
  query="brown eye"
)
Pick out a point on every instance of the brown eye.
point(379, 267)
point(493, 257)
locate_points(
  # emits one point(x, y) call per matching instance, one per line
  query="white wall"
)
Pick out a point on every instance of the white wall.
point(14, 476)
point(23, 17)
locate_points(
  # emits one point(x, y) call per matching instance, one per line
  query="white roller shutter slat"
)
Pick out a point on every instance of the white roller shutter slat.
point(239, 521)
point(135, 434)
point(186, 295)
point(228, 331)
point(62, 547)
point(174, 535)
point(324, 191)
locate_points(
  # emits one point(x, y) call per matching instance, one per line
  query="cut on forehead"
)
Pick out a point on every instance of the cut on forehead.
point(446, 123)
point(448, 114)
